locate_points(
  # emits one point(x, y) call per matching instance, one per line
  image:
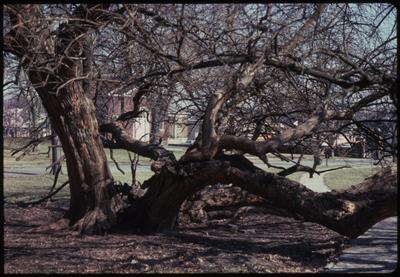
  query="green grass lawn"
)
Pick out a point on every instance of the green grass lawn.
point(295, 176)
point(29, 188)
point(42, 158)
point(345, 178)
point(23, 188)
point(32, 187)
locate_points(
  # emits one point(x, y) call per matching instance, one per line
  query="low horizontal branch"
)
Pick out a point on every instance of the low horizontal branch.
point(349, 213)
point(123, 141)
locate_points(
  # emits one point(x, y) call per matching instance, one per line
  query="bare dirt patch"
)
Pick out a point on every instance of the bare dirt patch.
point(256, 242)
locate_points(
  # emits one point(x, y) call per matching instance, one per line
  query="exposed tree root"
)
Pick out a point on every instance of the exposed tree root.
point(59, 225)
point(94, 222)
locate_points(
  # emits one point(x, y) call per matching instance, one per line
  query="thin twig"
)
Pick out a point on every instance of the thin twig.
point(27, 146)
point(115, 162)
point(134, 163)
point(55, 179)
point(331, 169)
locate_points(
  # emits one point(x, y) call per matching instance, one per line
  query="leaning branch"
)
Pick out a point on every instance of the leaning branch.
point(350, 212)
point(300, 34)
point(260, 149)
point(209, 145)
point(221, 61)
point(142, 90)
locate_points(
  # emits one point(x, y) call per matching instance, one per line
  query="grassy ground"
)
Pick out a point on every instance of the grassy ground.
point(296, 176)
point(31, 187)
point(41, 157)
point(344, 178)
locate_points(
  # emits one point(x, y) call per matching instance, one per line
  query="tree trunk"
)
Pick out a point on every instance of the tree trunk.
point(157, 118)
point(161, 203)
point(159, 112)
point(159, 208)
point(94, 202)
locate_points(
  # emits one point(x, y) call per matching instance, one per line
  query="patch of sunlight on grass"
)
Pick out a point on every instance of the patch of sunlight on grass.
point(295, 176)
point(141, 176)
point(345, 178)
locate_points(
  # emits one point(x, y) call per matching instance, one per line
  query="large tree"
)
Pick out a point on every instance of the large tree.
point(297, 72)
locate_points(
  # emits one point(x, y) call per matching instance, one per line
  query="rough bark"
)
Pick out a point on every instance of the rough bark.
point(158, 209)
point(155, 127)
point(350, 212)
point(93, 200)
point(94, 203)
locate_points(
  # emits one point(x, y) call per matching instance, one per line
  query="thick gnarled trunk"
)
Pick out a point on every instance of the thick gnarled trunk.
point(94, 202)
point(160, 205)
